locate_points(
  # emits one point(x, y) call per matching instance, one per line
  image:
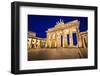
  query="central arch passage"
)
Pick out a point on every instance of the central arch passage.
point(68, 39)
point(74, 39)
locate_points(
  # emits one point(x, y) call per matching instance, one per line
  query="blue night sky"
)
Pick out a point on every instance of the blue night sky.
point(40, 23)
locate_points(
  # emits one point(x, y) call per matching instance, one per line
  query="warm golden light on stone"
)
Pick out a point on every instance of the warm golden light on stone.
point(56, 36)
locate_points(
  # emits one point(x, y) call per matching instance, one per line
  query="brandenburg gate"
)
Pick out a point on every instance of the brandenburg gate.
point(57, 36)
point(61, 35)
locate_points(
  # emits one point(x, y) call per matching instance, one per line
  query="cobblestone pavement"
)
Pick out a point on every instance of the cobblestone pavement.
point(57, 53)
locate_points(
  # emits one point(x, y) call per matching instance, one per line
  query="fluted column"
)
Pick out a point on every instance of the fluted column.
point(49, 43)
point(79, 41)
point(84, 40)
point(49, 40)
point(59, 40)
point(65, 41)
point(55, 40)
point(46, 43)
point(71, 38)
point(77, 37)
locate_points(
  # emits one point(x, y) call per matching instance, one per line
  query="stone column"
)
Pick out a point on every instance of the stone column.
point(86, 39)
point(71, 38)
point(79, 40)
point(65, 41)
point(55, 40)
point(46, 43)
point(84, 42)
point(77, 35)
point(49, 40)
point(58, 40)
point(49, 43)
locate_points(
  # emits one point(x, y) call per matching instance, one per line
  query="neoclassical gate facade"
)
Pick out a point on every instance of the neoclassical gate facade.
point(61, 35)
point(57, 36)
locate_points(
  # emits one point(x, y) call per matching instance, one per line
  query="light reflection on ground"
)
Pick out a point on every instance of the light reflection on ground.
point(57, 53)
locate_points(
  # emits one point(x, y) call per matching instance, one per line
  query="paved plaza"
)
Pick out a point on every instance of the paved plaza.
point(57, 53)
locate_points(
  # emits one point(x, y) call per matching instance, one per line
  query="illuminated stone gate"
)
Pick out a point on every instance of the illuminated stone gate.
point(57, 36)
point(61, 35)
